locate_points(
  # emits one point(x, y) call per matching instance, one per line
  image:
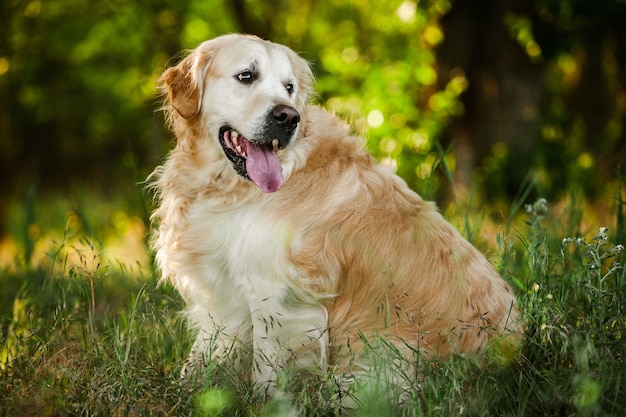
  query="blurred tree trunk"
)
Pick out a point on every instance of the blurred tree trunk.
point(10, 149)
point(505, 89)
point(250, 24)
point(510, 97)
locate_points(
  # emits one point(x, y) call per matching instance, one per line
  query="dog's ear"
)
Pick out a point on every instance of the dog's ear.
point(184, 84)
point(304, 76)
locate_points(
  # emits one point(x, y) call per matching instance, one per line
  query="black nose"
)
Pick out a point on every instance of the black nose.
point(286, 116)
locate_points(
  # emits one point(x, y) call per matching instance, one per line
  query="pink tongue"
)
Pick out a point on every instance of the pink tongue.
point(263, 168)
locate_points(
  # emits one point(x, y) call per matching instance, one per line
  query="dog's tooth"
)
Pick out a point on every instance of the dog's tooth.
point(275, 144)
point(234, 137)
point(238, 148)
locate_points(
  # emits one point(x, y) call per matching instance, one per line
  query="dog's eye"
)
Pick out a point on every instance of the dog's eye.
point(246, 77)
point(289, 87)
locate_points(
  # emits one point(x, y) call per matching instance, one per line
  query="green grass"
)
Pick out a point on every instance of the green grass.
point(84, 334)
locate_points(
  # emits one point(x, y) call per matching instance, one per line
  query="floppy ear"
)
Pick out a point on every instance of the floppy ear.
point(184, 84)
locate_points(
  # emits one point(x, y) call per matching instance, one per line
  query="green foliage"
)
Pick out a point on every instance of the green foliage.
point(90, 94)
point(384, 80)
point(79, 85)
point(570, 293)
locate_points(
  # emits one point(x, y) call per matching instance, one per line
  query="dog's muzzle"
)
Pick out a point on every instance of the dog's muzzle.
point(256, 158)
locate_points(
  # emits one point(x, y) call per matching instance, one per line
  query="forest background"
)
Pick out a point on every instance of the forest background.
point(484, 106)
point(491, 96)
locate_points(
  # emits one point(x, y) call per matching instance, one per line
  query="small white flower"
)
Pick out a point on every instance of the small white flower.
point(542, 204)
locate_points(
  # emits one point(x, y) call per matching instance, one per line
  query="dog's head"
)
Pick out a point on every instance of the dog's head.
point(247, 94)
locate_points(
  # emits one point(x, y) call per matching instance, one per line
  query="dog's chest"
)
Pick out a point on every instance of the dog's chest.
point(251, 247)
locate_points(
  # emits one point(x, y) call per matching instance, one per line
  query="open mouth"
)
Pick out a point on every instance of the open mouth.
point(254, 161)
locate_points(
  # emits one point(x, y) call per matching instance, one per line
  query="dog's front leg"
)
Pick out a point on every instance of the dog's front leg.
point(222, 337)
point(285, 335)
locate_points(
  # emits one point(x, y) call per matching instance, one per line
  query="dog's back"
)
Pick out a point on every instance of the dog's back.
point(396, 267)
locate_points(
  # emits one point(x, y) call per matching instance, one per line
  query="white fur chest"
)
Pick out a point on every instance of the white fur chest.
point(241, 252)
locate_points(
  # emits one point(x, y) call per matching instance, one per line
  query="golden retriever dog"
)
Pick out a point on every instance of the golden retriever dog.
point(289, 242)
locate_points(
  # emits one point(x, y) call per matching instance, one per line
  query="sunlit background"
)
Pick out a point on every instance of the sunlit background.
point(476, 104)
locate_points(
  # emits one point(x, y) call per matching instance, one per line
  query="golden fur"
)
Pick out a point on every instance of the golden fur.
point(343, 250)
